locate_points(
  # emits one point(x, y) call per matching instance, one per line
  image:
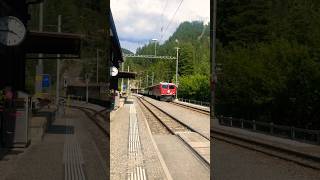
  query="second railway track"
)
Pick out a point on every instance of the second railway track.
point(191, 108)
point(97, 117)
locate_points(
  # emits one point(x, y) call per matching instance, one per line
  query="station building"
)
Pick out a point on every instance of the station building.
point(13, 58)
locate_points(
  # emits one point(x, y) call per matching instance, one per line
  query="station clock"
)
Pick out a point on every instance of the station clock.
point(113, 71)
point(12, 31)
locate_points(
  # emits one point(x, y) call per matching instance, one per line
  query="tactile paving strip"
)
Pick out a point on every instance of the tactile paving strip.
point(72, 157)
point(136, 170)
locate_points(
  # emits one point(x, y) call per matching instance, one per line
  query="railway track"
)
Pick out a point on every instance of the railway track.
point(191, 108)
point(97, 117)
point(175, 127)
point(175, 119)
point(171, 124)
point(156, 126)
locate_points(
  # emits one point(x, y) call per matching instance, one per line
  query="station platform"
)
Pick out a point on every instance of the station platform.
point(134, 149)
point(67, 150)
point(305, 150)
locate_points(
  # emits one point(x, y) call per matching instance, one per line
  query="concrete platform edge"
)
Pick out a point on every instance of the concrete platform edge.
point(196, 106)
point(268, 145)
point(194, 151)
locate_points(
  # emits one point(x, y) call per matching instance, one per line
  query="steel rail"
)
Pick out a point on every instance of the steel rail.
point(172, 131)
point(191, 108)
point(184, 124)
point(92, 117)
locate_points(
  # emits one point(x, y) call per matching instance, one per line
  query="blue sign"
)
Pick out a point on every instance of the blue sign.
point(45, 80)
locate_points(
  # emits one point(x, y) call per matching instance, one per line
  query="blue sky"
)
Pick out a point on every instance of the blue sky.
point(139, 21)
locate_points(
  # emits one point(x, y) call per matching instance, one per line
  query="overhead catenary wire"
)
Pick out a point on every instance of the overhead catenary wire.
point(172, 18)
point(162, 23)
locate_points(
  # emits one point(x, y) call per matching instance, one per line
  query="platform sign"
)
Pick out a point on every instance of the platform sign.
point(45, 80)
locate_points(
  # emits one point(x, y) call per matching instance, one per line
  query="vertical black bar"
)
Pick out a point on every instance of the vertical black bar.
point(213, 77)
point(109, 59)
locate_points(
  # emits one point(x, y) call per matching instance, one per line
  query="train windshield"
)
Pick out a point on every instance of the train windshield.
point(164, 86)
point(171, 87)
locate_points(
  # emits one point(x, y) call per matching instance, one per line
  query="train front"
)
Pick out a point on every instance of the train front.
point(168, 91)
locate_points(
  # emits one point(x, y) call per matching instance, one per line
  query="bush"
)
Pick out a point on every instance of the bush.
point(196, 87)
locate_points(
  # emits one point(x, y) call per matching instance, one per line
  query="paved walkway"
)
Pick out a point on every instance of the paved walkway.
point(182, 163)
point(132, 150)
point(67, 150)
point(310, 149)
point(231, 162)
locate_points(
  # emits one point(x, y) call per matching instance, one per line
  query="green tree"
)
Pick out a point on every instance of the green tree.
point(186, 59)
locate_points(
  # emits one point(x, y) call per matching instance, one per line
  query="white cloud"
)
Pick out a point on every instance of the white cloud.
point(138, 21)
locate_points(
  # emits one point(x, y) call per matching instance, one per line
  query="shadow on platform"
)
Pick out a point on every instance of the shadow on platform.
point(128, 102)
point(60, 129)
point(8, 151)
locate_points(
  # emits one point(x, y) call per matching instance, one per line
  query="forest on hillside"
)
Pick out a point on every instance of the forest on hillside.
point(269, 51)
point(194, 62)
point(85, 17)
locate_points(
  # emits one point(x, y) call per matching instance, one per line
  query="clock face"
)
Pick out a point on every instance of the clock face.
point(12, 31)
point(114, 71)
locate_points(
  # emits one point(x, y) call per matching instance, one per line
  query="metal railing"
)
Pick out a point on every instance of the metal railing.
point(74, 97)
point(304, 135)
point(100, 102)
point(201, 103)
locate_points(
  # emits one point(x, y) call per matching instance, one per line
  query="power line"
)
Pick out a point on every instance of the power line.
point(162, 23)
point(172, 18)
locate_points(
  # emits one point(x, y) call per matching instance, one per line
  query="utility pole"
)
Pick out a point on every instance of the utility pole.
point(155, 46)
point(97, 66)
point(138, 87)
point(58, 67)
point(177, 63)
point(122, 69)
point(213, 9)
point(97, 76)
point(39, 67)
point(147, 80)
point(87, 88)
point(152, 78)
point(128, 82)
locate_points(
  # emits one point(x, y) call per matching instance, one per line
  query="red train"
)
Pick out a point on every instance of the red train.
point(162, 91)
